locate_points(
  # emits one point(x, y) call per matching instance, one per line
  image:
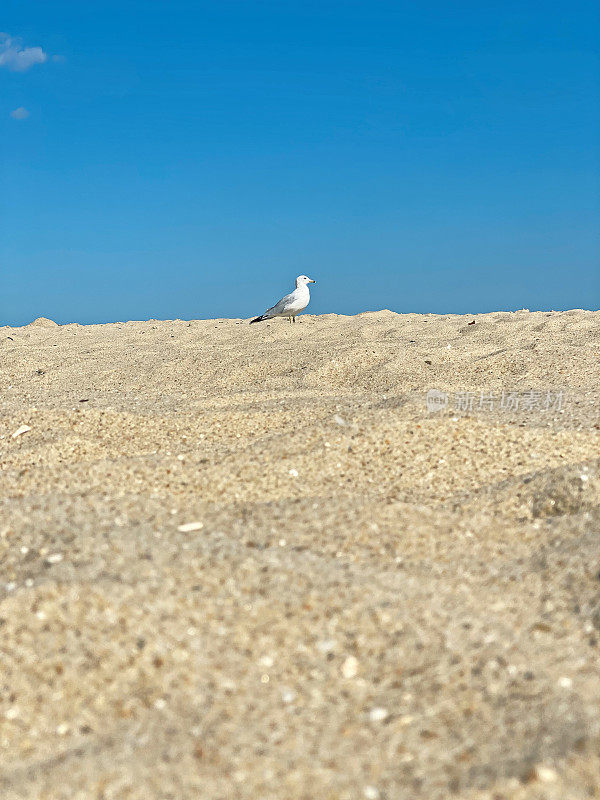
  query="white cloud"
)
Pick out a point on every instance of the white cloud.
point(19, 113)
point(17, 58)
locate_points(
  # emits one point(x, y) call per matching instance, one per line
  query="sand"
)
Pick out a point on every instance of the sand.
point(248, 562)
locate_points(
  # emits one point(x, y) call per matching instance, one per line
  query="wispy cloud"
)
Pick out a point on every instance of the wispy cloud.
point(20, 113)
point(15, 57)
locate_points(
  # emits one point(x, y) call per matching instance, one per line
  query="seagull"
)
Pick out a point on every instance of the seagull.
point(291, 304)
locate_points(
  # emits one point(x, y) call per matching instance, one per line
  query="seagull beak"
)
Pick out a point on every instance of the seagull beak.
point(311, 281)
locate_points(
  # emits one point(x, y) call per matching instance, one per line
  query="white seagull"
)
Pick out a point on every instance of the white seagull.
point(291, 304)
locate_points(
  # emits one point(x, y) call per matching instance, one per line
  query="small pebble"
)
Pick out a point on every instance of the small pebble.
point(188, 527)
point(55, 558)
point(378, 714)
point(546, 774)
point(350, 667)
point(371, 793)
point(293, 473)
point(326, 646)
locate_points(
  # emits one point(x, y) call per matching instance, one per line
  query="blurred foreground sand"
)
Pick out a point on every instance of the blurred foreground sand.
point(377, 600)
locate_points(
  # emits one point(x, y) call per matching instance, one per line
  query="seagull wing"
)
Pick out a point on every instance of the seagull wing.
point(281, 306)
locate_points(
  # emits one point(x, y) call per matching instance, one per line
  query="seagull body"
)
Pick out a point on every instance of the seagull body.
point(291, 304)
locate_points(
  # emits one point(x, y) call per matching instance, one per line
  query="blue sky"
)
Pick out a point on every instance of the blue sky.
point(189, 159)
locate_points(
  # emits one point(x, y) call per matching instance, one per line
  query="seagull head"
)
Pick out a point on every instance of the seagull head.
point(303, 280)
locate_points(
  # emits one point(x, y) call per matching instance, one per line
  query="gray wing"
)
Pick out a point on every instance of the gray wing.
point(279, 307)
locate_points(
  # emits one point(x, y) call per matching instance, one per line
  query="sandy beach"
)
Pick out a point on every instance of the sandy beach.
point(254, 562)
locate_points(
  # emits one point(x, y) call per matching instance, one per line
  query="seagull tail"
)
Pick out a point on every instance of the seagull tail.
point(258, 319)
